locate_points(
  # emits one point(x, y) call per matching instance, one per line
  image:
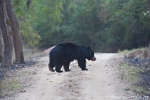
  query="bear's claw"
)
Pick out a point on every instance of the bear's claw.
point(59, 71)
point(51, 69)
point(67, 70)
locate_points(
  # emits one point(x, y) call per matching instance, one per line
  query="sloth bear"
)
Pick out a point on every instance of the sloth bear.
point(65, 52)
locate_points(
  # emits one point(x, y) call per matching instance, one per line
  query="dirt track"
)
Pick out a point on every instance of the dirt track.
point(100, 82)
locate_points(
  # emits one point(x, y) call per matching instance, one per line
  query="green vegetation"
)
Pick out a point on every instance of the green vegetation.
point(131, 74)
point(125, 52)
point(106, 25)
point(10, 86)
point(15, 82)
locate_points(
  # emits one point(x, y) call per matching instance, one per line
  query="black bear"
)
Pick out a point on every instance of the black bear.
point(65, 52)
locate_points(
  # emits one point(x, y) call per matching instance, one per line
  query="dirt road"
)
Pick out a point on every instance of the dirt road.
point(100, 82)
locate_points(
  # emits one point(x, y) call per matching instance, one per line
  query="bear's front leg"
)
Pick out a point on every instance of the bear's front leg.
point(66, 66)
point(58, 68)
point(85, 69)
point(81, 63)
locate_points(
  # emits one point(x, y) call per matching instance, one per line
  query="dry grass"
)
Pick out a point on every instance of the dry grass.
point(10, 86)
point(130, 51)
point(14, 81)
point(131, 75)
point(30, 52)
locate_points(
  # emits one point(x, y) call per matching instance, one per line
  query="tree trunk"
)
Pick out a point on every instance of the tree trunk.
point(1, 46)
point(16, 36)
point(149, 51)
point(7, 38)
point(148, 1)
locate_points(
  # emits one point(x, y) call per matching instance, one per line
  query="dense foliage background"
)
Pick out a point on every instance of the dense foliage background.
point(106, 25)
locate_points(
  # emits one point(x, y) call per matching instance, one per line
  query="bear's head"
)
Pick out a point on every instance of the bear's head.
point(90, 54)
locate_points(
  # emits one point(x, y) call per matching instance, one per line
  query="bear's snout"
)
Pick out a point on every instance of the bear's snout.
point(93, 58)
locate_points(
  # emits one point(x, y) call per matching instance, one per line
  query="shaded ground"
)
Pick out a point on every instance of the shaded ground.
point(101, 82)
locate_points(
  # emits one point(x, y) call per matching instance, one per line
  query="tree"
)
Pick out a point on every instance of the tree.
point(26, 18)
point(11, 35)
point(7, 36)
point(16, 36)
point(1, 46)
point(106, 25)
point(148, 1)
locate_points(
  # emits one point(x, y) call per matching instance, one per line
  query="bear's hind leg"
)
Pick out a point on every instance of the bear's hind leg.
point(50, 68)
point(66, 66)
point(58, 68)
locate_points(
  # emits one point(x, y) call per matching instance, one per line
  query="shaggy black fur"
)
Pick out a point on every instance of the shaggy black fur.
point(65, 52)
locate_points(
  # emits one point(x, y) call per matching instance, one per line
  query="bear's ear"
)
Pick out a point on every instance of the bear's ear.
point(88, 47)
